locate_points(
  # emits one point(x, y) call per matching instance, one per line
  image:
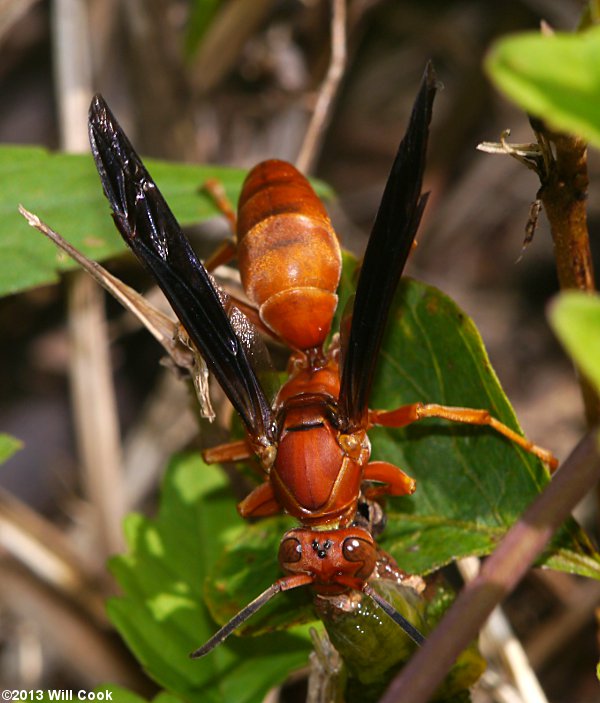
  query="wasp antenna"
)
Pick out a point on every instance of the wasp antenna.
point(283, 584)
point(389, 609)
point(237, 620)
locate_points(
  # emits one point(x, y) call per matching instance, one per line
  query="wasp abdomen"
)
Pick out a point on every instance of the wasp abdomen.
point(288, 252)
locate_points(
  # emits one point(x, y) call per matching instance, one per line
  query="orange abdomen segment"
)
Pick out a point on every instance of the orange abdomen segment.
point(288, 253)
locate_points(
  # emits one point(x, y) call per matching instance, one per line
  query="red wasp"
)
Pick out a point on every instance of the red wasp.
point(312, 440)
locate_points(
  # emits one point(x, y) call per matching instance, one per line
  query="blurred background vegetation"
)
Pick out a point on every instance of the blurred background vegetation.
point(232, 83)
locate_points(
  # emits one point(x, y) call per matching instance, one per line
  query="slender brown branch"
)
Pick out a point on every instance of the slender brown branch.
point(499, 575)
point(564, 196)
point(322, 110)
point(560, 161)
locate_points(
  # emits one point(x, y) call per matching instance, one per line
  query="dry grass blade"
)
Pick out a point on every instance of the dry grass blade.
point(77, 643)
point(95, 411)
point(161, 326)
point(45, 551)
point(168, 333)
point(92, 392)
point(498, 642)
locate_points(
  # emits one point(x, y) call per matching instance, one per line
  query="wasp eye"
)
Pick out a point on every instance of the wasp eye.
point(362, 553)
point(356, 549)
point(290, 551)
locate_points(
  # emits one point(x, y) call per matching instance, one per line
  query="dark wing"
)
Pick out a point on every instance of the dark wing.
point(389, 245)
point(149, 227)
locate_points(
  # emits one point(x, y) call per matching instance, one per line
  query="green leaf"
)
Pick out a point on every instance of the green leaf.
point(8, 446)
point(553, 77)
point(64, 190)
point(201, 15)
point(575, 318)
point(118, 694)
point(162, 615)
point(472, 483)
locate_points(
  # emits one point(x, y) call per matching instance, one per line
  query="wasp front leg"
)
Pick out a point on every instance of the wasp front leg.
point(261, 502)
point(407, 414)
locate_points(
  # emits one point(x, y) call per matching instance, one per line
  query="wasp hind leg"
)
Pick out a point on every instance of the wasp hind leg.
point(407, 414)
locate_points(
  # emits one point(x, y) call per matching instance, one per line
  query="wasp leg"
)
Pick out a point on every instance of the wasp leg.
point(232, 451)
point(407, 414)
point(260, 503)
point(394, 481)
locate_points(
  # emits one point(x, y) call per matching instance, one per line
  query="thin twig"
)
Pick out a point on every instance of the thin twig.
point(564, 197)
point(499, 575)
point(564, 194)
point(328, 91)
point(95, 410)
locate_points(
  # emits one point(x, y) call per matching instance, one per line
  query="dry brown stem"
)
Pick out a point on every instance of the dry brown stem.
point(499, 575)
